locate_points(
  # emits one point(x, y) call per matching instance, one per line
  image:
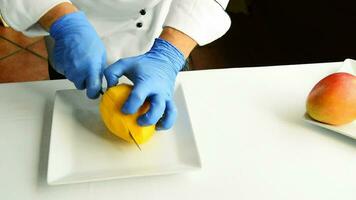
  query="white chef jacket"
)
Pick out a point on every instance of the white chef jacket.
point(125, 30)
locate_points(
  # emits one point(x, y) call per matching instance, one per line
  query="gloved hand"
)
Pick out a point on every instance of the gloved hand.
point(79, 53)
point(153, 75)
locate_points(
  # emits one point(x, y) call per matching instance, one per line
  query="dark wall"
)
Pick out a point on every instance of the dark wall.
point(285, 32)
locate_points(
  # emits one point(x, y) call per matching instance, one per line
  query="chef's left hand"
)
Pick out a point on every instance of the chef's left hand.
point(153, 74)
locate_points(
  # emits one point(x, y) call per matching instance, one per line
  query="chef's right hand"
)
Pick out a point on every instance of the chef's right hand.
point(79, 53)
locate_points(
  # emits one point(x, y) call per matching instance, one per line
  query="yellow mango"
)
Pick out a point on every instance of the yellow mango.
point(119, 123)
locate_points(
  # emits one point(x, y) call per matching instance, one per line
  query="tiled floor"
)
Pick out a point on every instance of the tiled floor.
point(21, 58)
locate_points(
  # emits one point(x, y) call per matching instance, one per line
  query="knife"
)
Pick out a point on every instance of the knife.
point(132, 137)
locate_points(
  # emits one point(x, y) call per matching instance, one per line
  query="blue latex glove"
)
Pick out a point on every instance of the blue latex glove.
point(79, 53)
point(153, 74)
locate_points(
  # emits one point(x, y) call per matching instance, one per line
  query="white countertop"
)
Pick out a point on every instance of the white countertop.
point(248, 125)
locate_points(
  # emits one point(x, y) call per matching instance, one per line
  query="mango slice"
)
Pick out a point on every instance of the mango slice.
point(119, 123)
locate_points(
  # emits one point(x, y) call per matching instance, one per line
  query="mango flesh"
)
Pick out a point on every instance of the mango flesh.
point(119, 123)
point(333, 99)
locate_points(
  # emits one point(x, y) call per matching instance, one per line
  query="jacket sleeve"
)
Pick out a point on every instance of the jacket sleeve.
point(202, 20)
point(23, 15)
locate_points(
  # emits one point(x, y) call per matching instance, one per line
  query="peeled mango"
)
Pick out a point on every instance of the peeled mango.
point(119, 123)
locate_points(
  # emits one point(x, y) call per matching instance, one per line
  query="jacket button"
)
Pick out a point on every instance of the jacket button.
point(139, 25)
point(143, 12)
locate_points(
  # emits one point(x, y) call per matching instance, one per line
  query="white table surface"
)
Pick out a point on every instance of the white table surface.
point(249, 129)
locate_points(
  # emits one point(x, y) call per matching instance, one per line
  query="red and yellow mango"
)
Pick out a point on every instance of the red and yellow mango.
point(333, 99)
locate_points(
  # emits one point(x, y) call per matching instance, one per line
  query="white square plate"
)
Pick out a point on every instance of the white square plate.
point(82, 149)
point(349, 130)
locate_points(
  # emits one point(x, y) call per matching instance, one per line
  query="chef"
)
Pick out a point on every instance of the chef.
point(148, 41)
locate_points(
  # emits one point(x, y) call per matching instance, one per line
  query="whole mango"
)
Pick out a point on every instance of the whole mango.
point(119, 123)
point(333, 99)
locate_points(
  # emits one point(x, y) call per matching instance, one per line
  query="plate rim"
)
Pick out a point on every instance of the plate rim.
point(309, 120)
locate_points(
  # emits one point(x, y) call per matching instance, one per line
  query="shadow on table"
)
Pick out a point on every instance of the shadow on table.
point(297, 119)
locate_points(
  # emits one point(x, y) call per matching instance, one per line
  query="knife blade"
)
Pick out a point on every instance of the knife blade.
point(132, 137)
